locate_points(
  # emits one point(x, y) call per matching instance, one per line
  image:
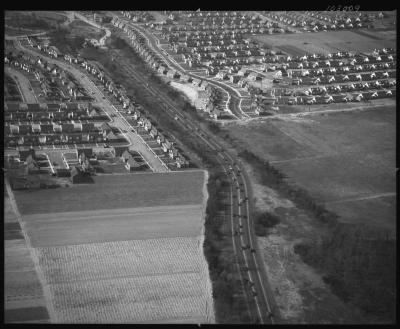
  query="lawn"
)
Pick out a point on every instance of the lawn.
point(344, 159)
point(116, 191)
point(326, 42)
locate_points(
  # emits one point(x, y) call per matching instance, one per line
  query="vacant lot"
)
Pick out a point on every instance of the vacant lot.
point(116, 191)
point(346, 160)
point(326, 42)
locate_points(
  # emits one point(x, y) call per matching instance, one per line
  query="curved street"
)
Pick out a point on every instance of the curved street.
point(152, 42)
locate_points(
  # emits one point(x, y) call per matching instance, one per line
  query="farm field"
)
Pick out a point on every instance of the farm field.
point(23, 295)
point(104, 263)
point(116, 191)
point(53, 229)
point(345, 160)
point(327, 42)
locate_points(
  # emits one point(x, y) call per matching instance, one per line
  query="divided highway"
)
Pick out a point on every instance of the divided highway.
point(251, 268)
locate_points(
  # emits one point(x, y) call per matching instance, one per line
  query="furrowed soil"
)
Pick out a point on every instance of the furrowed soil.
point(130, 252)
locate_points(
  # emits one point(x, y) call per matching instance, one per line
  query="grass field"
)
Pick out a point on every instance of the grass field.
point(326, 42)
point(116, 191)
point(346, 160)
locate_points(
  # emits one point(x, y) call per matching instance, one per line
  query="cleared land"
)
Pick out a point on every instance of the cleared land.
point(327, 42)
point(346, 160)
point(115, 192)
point(113, 225)
point(107, 263)
point(188, 91)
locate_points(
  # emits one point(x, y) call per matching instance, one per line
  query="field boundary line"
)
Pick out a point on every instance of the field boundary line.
point(46, 289)
point(376, 196)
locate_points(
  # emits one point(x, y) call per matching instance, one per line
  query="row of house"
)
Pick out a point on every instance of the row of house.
point(166, 145)
point(50, 76)
point(47, 112)
point(203, 87)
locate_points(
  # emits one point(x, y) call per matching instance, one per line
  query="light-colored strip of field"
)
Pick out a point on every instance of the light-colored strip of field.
point(114, 225)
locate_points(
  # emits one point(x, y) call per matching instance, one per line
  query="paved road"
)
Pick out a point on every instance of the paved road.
point(152, 42)
point(137, 143)
point(24, 85)
point(258, 294)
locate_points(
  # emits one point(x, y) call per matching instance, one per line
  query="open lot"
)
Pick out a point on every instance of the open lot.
point(327, 42)
point(346, 160)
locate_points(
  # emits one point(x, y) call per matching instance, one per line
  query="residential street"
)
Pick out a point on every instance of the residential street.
point(137, 143)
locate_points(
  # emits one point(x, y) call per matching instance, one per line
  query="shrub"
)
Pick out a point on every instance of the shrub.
point(264, 221)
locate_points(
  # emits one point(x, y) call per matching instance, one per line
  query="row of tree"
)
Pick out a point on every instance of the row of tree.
point(227, 292)
point(359, 264)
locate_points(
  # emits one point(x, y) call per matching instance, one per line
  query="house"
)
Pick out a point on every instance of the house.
point(160, 139)
point(172, 152)
point(35, 128)
point(166, 145)
point(196, 82)
point(126, 155)
point(153, 132)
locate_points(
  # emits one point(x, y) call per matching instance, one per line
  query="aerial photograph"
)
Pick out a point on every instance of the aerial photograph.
point(200, 167)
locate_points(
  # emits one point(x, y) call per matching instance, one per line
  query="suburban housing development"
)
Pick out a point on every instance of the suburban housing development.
point(200, 166)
